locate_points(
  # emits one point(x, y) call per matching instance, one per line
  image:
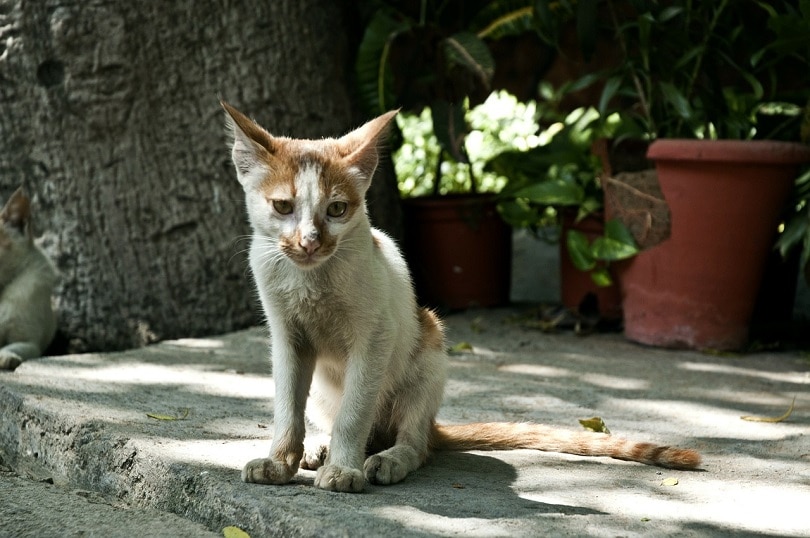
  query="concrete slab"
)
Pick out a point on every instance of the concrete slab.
point(84, 421)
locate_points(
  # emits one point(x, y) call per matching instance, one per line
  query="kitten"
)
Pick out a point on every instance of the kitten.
point(351, 350)
point(27, 279)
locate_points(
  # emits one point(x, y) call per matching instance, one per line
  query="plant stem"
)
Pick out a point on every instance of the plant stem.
point(642, 93)
point(704, 48)
point(438, 174)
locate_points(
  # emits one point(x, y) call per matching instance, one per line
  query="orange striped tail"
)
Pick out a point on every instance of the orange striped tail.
point(509, 436)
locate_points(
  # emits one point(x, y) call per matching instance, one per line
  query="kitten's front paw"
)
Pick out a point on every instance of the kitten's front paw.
point(267, 471)
point(385, 469)
point(338, 478)
point(9, 360)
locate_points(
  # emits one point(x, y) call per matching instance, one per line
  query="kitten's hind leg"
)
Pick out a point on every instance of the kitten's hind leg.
point(417, 408)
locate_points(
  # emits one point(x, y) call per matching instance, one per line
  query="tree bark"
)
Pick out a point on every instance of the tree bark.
point(110, 119)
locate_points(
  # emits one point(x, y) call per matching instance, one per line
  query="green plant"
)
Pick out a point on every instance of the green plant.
point(708, 69)
point(563, 174)
point(796, 231)
point(434, 54)
point(500, 123)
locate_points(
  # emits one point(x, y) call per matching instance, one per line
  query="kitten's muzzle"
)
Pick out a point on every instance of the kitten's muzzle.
point(310, 242)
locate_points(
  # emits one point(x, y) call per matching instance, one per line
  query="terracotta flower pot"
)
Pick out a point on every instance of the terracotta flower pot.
point(459, 251)
point(697, 289)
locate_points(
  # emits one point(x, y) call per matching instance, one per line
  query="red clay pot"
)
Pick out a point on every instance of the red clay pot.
point(459, 251)
point(697, 289)
point(575, 285)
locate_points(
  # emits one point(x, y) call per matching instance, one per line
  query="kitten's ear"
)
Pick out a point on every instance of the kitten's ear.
point(360, 148)
point(252, 145)
point(17, 211)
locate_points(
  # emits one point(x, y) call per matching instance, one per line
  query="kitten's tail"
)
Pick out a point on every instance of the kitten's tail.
point(507, 436)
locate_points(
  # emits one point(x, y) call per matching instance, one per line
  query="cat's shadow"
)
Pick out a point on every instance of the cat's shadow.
point(464, 484)
point(458, 485)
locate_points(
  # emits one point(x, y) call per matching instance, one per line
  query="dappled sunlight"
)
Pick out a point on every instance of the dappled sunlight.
point(196, 343)
point(414, 518)
point(537, 370)
point(747, 401)
point(753, 508)
point(197, 378)
point(705, 420)
point(229, 454)
point(93, 408)
point(781, 377)
point(614, 382)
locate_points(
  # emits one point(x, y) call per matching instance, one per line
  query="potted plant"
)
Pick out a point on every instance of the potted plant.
point(558, 182)
point(698, 78)
point(433, 56)
point(457, 245)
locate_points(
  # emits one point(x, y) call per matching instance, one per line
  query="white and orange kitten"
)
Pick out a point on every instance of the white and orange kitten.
point(27, 280)
point(351, 350)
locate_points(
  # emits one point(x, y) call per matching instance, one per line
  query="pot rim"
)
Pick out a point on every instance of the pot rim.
point(746, 151)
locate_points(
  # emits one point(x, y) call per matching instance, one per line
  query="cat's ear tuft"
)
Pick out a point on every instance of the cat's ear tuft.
point(252, 145)
point(17, 211)
point(361, 147)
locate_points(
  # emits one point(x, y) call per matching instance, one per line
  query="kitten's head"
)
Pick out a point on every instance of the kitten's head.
point(15, 234)
point(15, 220)
point(304, 196)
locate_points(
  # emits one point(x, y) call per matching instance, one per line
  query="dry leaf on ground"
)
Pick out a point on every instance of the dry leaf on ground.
point(234, 532)
point(158, 416)
point(772, 419)
point(595, 424)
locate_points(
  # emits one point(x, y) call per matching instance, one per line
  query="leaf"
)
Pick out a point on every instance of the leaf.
point(616, 230)
point(601, 277)
point(234, 532)
point(611, 87)
point(579, 250)
point(503, 19)
point(158, 416)
point(616, 244)
point(467, 50)
point(605, 248)
point(794, 232)
point(780, 418)
point(669, 13)
point(671, 481)
point(374, 77)
point(676, 99)
point(558, 192)
point(450, 128)
point(460, 347)
point(595, 424)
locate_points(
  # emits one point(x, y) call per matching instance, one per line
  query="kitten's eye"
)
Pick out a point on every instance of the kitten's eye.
point(337, 209)
point(283, 207)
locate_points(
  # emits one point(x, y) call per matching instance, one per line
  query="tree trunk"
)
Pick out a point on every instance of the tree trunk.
point(110, 119)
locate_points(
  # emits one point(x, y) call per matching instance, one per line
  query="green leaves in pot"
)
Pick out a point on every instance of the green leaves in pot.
point(616, 244)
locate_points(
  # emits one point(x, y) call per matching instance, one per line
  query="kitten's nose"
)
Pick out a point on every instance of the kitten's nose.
point(310, 242)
